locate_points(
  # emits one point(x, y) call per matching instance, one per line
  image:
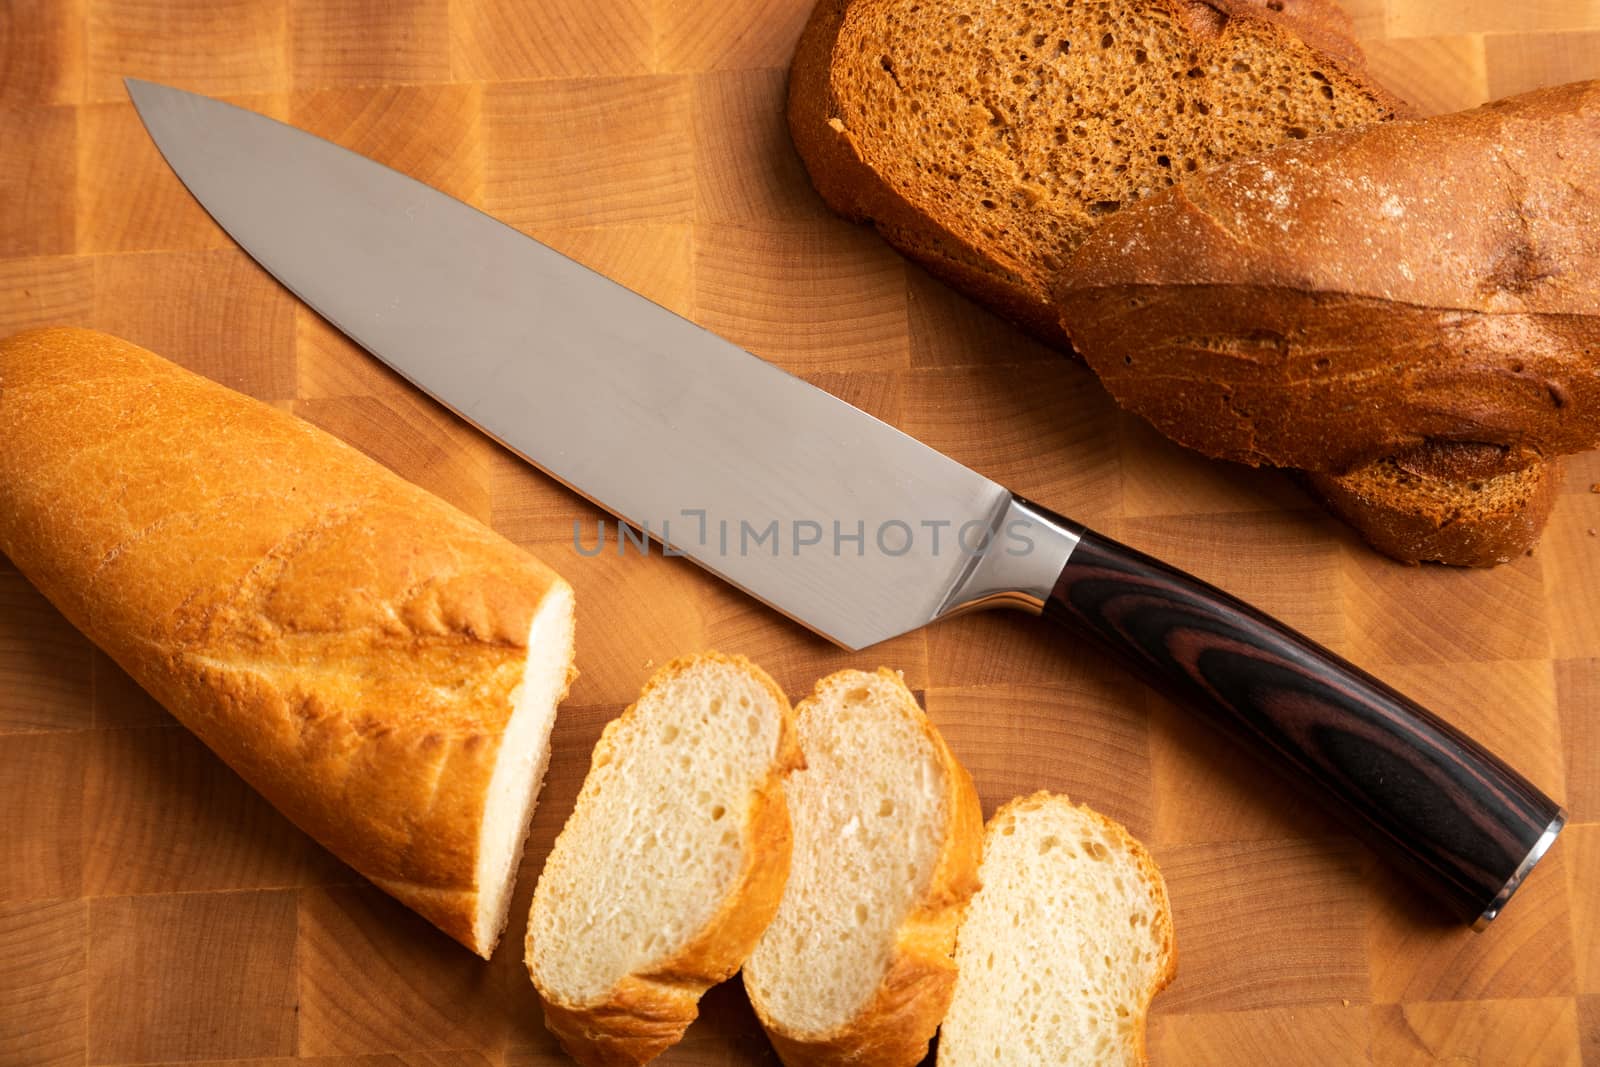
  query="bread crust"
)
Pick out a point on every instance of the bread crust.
point(645, 1014)
point(1331, 303)
point(345, 641)
point(1485, 526)
point(1154, 882)
point(1322, 24)
point(900, 1018)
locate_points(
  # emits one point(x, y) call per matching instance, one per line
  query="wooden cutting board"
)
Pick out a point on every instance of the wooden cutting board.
point(152, 909)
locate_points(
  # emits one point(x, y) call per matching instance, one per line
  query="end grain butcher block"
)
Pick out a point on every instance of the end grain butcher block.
point(154, 909)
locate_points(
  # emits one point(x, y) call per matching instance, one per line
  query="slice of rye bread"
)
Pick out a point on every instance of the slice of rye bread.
point(857, 966)
point(1064, 946)
point(899, 131)
point(1438, 504)
point(989, 140)
point(672, 863)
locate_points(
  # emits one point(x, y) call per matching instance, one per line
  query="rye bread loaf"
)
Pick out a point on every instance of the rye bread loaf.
point(858, 964)
point(383, 668)
point(840, 33)
point(1322, 24)
point(672, 864)
point(1351, 297)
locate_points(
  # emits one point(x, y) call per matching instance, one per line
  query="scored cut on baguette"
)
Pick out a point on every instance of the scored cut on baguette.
point(857, 966)
point(384, 669)
point(1064, 946)
point(672, 863)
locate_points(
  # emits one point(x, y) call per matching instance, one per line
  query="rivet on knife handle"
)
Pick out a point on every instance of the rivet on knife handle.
point(1471, 826)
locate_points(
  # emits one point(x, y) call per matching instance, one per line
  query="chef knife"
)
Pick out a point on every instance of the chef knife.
point(821, 511)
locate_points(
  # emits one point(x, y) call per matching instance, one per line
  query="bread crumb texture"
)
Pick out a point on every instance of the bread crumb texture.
point(869, 817)
point(1020, 127)
point(672, 863)
point(1063, 947)
point(657, 839)
point(858, 965)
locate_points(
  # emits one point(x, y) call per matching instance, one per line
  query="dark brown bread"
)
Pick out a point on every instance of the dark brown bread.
point(844, 160)
point(987, 141)
point(1435, 505)
point(1348, 298)
point(1322, 24)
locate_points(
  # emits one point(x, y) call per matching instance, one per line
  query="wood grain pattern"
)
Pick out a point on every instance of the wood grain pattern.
point(44, 948)
point(152, 997)
point(44, 661)
point(42, 177)
point(153, 910)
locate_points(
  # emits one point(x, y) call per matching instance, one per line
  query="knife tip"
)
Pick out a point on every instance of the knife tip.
point(140, 88)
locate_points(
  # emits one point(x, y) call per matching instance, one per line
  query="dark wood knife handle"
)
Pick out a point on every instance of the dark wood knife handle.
point(1471, 825)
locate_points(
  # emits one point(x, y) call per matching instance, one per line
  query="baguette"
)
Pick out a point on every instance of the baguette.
point(672, 863)
point(1064, 947)
point(1352, 297)
point(382, 668)
point(857, 966)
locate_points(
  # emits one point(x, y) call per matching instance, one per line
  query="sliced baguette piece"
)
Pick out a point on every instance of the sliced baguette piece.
point(857, 966)
point(1063, 948)
point(384, 669)
point(672, 863)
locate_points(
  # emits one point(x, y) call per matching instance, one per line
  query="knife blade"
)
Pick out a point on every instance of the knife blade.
point(832, 517)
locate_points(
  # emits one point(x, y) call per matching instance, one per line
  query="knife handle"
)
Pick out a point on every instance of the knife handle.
point(1470, 825)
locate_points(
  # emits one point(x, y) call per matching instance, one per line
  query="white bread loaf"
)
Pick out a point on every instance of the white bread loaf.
point(858, 965)
point(672, 863)
point(1064, 946)
point(383, 668)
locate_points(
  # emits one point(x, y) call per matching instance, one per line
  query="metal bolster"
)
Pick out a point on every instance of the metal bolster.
point(1026, 549)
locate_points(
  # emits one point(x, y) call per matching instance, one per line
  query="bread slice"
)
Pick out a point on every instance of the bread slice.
point(1063, 948)
point(1322, 24)
point(1431, 506)
point(672, 863)
point(382, 668)
point(989, 140)
point(857, 966)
